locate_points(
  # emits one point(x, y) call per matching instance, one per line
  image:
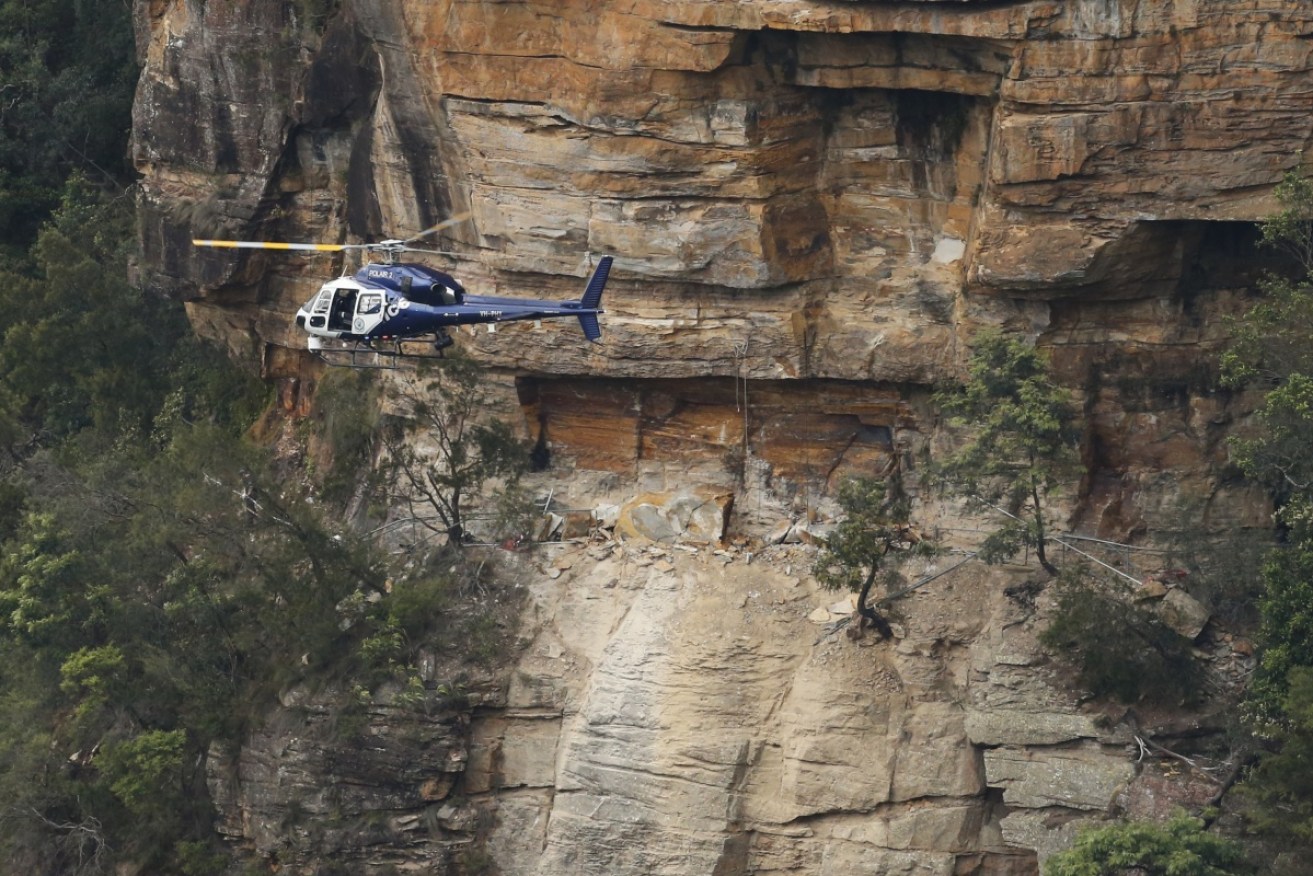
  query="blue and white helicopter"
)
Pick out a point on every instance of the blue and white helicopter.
point(390, 303)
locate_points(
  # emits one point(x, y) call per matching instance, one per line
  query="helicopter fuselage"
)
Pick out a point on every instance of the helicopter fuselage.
point(392, 302)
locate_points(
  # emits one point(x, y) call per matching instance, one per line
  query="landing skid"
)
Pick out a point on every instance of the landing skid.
point(383, 355)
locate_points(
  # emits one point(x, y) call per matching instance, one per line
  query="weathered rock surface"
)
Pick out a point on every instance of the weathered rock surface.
point(703, 728)
point(1050, 141)
point(702, 515)
point(674, 708)
point(813, 206)
point(697, 723)
point(369, 787)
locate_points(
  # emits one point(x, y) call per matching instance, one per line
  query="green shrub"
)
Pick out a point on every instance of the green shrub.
point(1286, 607)
point(199, 858)
point(1181, 847)
point(870, 542)
point(1118, 648)
point(145, 772)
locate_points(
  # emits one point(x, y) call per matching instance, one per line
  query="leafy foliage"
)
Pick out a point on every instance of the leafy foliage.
point(1273, 350)
point(1278, 455)
point(160, 577)
point(160, 605)
point(1023, 444)
point(1286, 631)
point(1281, 785)
point(67, 73)
point(1271, 341)
point(86, 353)
point(346, 415)
point(138, 768)
point(1181, 847)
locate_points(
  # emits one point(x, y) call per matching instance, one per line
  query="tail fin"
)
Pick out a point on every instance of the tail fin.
point(588, 322)
point(593, 293)
point(592, 298)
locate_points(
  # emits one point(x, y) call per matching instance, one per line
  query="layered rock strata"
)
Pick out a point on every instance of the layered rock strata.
point(678, 708)
point(816, 204)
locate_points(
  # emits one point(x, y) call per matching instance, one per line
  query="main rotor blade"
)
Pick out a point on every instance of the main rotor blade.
point(431, 251)
point(445, 223)
point(266, 244)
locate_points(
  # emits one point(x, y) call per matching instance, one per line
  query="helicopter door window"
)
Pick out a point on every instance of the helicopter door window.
point(369, 304)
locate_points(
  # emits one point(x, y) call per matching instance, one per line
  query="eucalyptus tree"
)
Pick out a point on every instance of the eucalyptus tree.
point(442, 449)
point(1020, 448)
point(870, 542)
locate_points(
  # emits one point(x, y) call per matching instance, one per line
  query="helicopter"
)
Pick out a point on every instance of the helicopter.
point(390, 303)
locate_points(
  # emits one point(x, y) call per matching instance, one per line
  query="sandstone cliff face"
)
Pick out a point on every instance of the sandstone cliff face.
point(839, 191)
point(322, 783)
point(679, 711)
point(812, 206)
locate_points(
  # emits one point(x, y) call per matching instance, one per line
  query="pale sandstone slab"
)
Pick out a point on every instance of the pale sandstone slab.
point(1076, 778)
point(994, 727)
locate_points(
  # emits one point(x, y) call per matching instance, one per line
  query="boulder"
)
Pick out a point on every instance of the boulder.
point(1183, 613)
point(688, 515)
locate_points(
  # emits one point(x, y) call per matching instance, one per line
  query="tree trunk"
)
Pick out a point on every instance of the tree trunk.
point(1039, 533)
point(869, 613)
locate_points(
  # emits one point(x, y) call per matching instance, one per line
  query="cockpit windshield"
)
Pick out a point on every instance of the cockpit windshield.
point(320, 302)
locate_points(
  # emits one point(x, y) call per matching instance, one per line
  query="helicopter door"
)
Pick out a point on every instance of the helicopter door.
point(369, 312)
point(343, 309)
